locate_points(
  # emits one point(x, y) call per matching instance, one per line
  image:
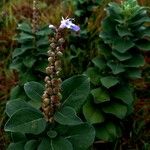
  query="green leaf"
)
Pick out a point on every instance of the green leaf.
point(26, 121)
point(116, 67)
point(108, 132)
point(16, 146)
point(94, 75)
point(121, 56)
point(41, 66)
point(67, 116)
point(109, 81)
point(136, 61)
point(99, 62)
point(15, 105)
point(34, 90)
point(29, 61)
point(17, 137)
point(52, 134)
point(31, 145)
point(42, 41)
point(27, 76)
point(24, 27)
point(143, 45)
point(100, 95)
point(134, 73)
point(125, 94)
point(116, 109)
point(122, 45)
point(75, 91)
point(20, 51)
point(92, 114)
point(17, 92)
point(44, 31)
point(24, 37)
point(123, 31)
point(81, 136)
point(55, 144)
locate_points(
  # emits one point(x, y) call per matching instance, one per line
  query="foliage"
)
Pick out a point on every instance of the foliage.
point(124, 37)
point(28, 125)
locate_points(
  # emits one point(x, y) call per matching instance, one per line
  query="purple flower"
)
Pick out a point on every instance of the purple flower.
point(67, 23)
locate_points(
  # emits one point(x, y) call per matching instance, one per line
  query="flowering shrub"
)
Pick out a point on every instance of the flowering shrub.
point(58, 126)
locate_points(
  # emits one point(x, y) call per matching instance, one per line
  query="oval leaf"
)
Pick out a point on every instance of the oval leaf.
point(55, 144)
point(116, 109)
point(67, 116)
point(81, 136)
point(100, 95)
point(109, 81)
point(31, 145)
point(75, 91)
point(26, 121)
point(34, 90)
point(92, 114)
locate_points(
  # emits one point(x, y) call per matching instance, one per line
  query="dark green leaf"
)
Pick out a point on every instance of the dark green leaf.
point(67, 116)
point(125, 94)
point(24, 27)
point(99, 62)
point(100, 95)
point(118, 110)
point(143, 45)
point(52, 134)
point(136, 61)
point(29, 61)
point(121, 56)
point(16, 146)
point(122, 45)
point(134, 73)
point(17, 137)
point(116, 67)
point(26, 121)
point(123, 31)
point(94, 75)
point(109, 81)
point(55, 144)
point(75, 91)
point(108, 132)
point(31, 145)
point(81, 136)
point(34, 90)
point(15, 105)
point(92, 114)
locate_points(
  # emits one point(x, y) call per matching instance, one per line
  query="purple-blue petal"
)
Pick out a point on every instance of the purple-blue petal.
point(75, 27)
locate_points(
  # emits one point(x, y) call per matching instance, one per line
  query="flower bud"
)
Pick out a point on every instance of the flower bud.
point(50, 59)
point(58, 73)
point(46, 110)
point(54, 99)
point(49, 91)
point(51, 54)
point(57, 48)
point(59, 54)
point(56, 90)
point(50, 70)
point(53, 45)
point(46, 101)
point(54, 82)
point(58, 64)
point(46, 78)
point(45, 95)
point(59, 95)
point(61, 40)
